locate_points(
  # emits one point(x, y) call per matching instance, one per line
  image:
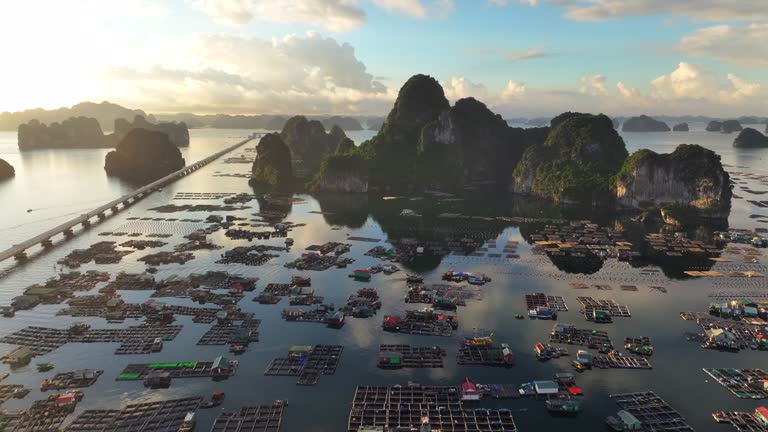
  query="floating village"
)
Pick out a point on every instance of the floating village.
point(231, 311)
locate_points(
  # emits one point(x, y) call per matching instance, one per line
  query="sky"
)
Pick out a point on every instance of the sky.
point(523, 58)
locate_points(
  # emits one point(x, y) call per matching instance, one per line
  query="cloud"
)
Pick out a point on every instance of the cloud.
point(512, 56)
point(593, 84)
point(512, 90)
point(333, 15)
point(627, 91)
point(700, 10)
point(459, 88)
point(307, 73)
point(688, 81)
point(416, 8)
point(743, 44)
point(509, 2)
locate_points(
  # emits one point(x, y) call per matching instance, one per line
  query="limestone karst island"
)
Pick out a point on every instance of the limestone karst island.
point(384, 216)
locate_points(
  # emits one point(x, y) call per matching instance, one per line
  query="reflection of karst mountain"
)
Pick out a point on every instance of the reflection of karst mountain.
point(275, 207)
point(443, 228)
point(569, 256)
point(675, 254)
point(342, 209)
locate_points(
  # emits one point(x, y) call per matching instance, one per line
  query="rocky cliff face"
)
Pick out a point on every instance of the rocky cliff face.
point(644, 124)
point(143, 156)
point(75, 132)
point(469, 143)
point(690, 177)
point(681, 127)
point(178, 133)
point(6, 170)
point(341, 173)
point(575, 163)
point(393, 151)
point(272, 168)
point(309, 144)
point(750, 138)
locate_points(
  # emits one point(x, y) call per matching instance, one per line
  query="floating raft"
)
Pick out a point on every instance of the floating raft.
point(614, 309)
point(8, 391)
point(741, 421)
point(160, 416)
point(406, 356)
point(406, 406)
point(217, 368)
point(615, 360)
point(307, 363)
point(44, 415)
point(228, 333)
point(743, 383)
point(256, 418)
point(488, 355)
point(532, 301)
point(75, 379)
point(568, 334)
point(42, 340)
point(652, 411)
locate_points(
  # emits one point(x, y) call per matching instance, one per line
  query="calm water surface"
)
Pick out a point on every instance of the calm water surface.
point(57, 185)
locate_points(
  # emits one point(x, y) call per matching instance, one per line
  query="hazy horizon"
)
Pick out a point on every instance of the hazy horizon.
point(523, 58)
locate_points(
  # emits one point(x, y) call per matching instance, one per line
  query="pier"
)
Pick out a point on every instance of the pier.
point(45, 240)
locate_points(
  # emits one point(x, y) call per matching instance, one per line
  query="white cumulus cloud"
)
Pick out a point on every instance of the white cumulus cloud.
point(746, 44)
point(460, 87)
point(512, 90)
point(593, 84)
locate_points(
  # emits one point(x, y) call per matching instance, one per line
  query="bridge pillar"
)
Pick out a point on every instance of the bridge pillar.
point(114, 209)
point(102, 216)
point(46, 243)
point(68, 232)
point(86, 223)
point(21, 256)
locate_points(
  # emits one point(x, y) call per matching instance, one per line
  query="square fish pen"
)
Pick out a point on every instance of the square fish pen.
point(160, 416)
point(396, 356)
point(652, 411)
point(256, 418)
point(308, 364)
point(414, 406)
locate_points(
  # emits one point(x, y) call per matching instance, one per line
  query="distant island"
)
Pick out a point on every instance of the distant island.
point(86, 132)
point(105, 114)
point(143, 156)
point(644, 123)
point(751, 138)
point(726, 126)
point(680, 127)
point(579, 159)
point(6, 170)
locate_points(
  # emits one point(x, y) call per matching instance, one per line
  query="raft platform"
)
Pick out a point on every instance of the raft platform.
point(75, 379)
point(8, 391)
point(489, 355)
point(652, 411)
point(245, 332)
point(165, 415)
point(308, 364)
point(568, 334)
point(615, 360)
point(42, 340)
point(252, 418)
point(743, 383)
point(557, 303)
point(741, 421)
point(218, 368)
point(411, 356)
point(405, 406)
point(614, 309)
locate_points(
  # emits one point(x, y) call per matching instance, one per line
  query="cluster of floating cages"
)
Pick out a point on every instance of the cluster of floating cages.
point(44, 415)
point(639, 345)
point(202, 195)
point(318, 262)
point(252, 418)
point(740, 334)
point(751, 296)
point(104, 252)
point(159, 416)
point(398, 356)
point(330, 247)
point(218, 368)
point(668, 245)
point(244, 234)
point(363, 303)
point(569, 334)
point(161, 258)
point(427, 407)
point(56, 290)
point(207, 208)
point(42, 340)
point(307, 363)
point(8, 391)
point(615, 360)
point(231, 332)
point(741, 421)
point(364, 239)
point(143, 244)
point(743, 383)
point(602, 310)
point(75, 379)
point(251, 256)
point(424, 322)
point(442, 296)
point(321, 314)
point(536, 300)
point(652, 411)
point(485, 355)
